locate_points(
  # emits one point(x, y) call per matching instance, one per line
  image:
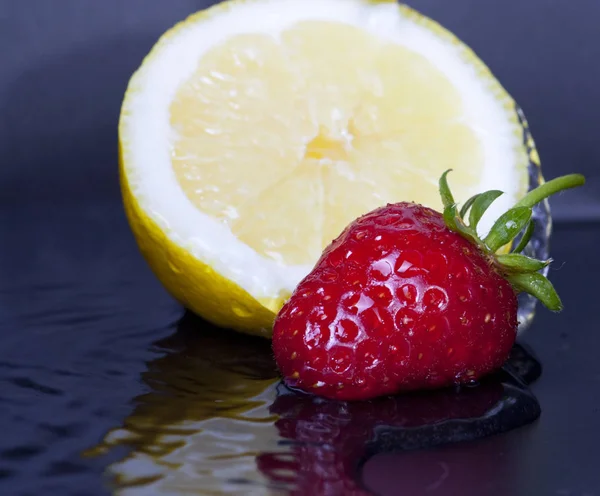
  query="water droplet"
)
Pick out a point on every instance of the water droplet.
point(466, 379)
point(328, 275)
point(405, 267)
point(241, 311)
point(346, 331)
point(435, 299)
point(363, 303)
point(341, 360)
point(407, 294)
point(360, 234)
point(174, 268)
point(381, 270)
point(409, 263)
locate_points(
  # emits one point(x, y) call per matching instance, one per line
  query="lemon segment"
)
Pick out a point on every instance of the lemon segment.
point(235, 132)
point(256, 131)
point(261, 115)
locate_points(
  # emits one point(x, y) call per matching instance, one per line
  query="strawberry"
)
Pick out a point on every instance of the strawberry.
point(408, 298)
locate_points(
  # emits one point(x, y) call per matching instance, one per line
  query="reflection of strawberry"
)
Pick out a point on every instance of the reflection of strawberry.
point(329, 438)
point(407, 298)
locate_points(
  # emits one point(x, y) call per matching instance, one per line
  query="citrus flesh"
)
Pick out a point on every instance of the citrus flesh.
point(247, 147)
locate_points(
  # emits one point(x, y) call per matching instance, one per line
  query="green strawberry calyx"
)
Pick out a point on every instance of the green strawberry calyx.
point(520, 270)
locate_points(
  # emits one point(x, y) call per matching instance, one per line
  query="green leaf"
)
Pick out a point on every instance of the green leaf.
point(450, 217)
point(481, 204)
point(526, 237)
point(468, 204)
point(445, 193)
point(514, 262)
point(455, 223)
point(538, 286)
point(507, 227)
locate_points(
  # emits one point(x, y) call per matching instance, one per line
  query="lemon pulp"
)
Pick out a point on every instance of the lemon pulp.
point(286, 139)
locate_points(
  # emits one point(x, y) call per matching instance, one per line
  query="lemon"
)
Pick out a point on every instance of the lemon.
point(255, 131)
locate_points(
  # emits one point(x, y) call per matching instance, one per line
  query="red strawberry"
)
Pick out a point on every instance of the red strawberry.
point(407, 298)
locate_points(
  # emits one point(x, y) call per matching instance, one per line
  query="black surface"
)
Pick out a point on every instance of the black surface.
point(80, 312)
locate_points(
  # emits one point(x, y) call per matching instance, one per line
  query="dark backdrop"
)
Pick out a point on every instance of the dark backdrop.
point(65, 65)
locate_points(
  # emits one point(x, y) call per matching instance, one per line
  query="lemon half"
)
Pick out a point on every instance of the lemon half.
point(255, 131)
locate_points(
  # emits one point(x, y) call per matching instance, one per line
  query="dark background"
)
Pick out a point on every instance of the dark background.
point(65, 66)
point(79, 310)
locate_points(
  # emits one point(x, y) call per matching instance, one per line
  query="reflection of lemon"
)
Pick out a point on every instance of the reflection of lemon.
point(255, 131)
point(204, 415)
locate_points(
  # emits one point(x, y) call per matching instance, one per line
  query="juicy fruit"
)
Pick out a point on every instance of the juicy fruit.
point(256, 130)
point(335, 133)
point(409, 298)
point(397, 302)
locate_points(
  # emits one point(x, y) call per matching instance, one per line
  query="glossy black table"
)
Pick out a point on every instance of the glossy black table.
point(83, 325)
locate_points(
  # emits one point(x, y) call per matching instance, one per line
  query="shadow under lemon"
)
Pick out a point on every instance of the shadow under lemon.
point(217, 420)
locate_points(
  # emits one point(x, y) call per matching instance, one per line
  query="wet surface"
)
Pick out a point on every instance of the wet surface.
point(78, 315)
point(108, 386)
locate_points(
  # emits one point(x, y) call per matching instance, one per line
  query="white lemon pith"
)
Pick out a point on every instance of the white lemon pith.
point(255, 131)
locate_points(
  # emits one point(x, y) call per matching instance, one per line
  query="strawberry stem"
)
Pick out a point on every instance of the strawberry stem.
point(515, 262)
point(445, 193)
point(506, 228)
point(550, 188)
point(481, 205)
point(526, 237)
point(521, 271)
point(537, 285)
point(468, 204)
